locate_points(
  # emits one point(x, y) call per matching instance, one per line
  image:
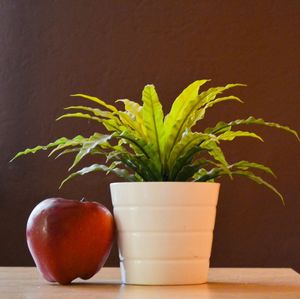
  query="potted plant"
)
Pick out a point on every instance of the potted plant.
point(165, 213)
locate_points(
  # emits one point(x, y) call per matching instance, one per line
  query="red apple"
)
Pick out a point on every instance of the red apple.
point(69, 239)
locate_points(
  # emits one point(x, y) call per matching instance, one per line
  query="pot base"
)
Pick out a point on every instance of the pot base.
point(164, 272)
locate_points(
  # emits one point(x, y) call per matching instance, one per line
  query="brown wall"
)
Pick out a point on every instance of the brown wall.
point(50, 49)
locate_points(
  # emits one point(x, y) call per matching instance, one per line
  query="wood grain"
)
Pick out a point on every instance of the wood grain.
point(20, 282)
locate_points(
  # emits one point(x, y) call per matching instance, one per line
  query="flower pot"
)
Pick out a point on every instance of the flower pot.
point(165, 231)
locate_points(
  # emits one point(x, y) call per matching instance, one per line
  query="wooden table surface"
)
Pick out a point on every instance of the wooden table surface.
point(223, 283)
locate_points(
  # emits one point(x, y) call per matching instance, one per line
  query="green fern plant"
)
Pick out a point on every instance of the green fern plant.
point(144, 145)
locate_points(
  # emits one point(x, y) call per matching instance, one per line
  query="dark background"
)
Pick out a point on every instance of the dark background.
point(111, 49)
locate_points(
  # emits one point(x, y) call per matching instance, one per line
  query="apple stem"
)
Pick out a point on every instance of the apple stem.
point(82, 199)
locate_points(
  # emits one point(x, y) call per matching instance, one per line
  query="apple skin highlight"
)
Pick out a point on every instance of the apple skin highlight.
point(69, 239)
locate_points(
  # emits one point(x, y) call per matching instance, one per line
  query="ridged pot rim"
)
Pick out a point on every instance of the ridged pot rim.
point(164, 193)
point(164, 183)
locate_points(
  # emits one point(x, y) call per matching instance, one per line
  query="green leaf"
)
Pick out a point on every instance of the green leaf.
point(111, 124)
point(249, 121)
point(135, 112)
point(209, 96)
point(81, 115)
point(76, 141)
point(138, 145)
point(186, 173)
point(140, 166)
point(96, 100)
point(231, 135)
point(114, 125)
point(190, 114)
point(215, 151)
point(219, 128)
point(90, 144)
point(141, 160)
point(184, 159)
point(131, 124)
point(95, 111)
point(115, 154)
point(153, 119)
point(98, 167)
point(227, 98)
point(189, 170)
point(258, 180)
point(204, 176)
point(188, 95)
point(59, 141)
point(188, 141)
point(68, 151)
point(212, 100)
point(180, 111)
point(245, 165)
point(260, 121)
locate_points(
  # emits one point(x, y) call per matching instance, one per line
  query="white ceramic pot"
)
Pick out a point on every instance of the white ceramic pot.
point(165, 231)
